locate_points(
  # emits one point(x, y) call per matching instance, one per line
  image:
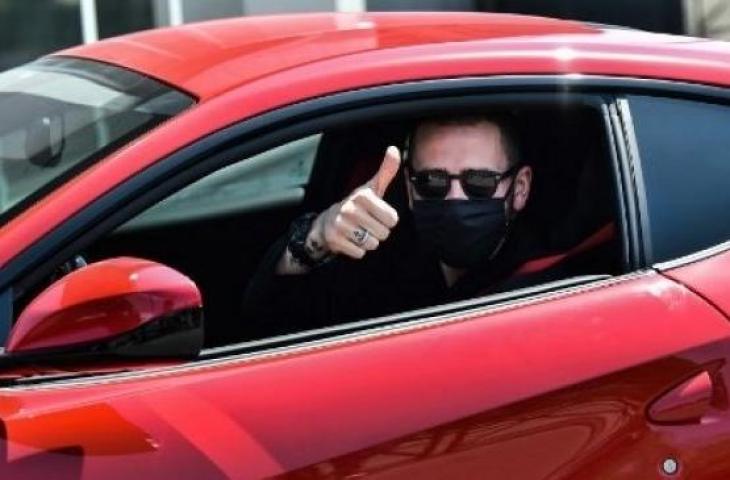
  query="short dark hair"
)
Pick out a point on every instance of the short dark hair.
point(506, 125)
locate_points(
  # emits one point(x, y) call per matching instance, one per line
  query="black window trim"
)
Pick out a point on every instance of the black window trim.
point(693, 257)
point(293, 121)
point(627, 209)
point(631, 168)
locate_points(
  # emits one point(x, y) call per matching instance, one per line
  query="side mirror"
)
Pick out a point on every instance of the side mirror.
point(118, 308)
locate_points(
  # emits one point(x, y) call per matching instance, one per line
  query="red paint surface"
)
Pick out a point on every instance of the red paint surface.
point(210, 58)
point(101, 301)
point(709, 277)
point(564, 381)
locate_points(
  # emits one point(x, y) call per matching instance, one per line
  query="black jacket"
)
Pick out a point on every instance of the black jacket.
point(397, 277)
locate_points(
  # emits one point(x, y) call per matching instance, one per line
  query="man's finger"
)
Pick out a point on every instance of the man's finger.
point(346, 247)
point(377, 207)
point(387, 171)
point(369, 223)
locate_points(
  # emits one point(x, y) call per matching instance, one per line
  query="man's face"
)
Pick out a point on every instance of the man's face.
point(455, 148)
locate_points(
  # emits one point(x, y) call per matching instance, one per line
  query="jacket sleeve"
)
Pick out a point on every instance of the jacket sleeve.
point(389, 280)
point(277, 304)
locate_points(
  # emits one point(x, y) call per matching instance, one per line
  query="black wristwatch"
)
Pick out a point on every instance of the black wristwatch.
point(297, 245)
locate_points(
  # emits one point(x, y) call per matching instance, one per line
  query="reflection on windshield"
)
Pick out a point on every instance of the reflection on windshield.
point(58, 115)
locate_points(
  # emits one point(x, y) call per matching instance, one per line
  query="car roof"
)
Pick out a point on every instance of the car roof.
point(209, 58)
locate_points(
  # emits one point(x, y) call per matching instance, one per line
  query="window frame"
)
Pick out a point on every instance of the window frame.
point(255, 135)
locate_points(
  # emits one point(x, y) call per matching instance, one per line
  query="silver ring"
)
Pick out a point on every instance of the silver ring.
point(360, 236)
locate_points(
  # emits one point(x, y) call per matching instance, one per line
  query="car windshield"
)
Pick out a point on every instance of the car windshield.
point(58, 115)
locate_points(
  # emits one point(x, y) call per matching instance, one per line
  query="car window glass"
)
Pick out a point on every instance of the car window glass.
point(277, 176)
point(67, 113)
point(683, 146)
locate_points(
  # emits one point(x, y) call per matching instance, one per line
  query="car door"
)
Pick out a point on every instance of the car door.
point(586, 377)
point(557, 385)
point(684, 168)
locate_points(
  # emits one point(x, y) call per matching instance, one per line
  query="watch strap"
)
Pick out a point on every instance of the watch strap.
point(298, 233)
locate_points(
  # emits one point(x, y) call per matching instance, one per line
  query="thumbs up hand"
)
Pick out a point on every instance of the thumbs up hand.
point(386, 173)
point(363, 219)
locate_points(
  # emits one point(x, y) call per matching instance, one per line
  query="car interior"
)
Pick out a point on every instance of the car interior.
point(217, 229)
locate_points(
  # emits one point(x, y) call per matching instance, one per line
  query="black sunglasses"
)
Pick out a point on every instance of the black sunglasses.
point(436, 183)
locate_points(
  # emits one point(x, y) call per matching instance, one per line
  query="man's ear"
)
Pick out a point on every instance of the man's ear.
point(523, 182)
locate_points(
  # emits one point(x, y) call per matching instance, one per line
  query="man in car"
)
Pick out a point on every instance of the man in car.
point(459, 236)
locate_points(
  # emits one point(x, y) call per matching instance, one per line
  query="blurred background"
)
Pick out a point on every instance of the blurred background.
point(31, 28)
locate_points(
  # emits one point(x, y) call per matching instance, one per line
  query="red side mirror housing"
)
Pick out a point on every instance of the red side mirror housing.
point(125, 307)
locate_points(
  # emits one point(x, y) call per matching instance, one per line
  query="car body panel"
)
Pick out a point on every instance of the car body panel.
point(210, 58)
point(695, 275)
point(471, 384)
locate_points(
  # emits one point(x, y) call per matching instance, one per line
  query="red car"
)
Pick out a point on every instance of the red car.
point(193, 148)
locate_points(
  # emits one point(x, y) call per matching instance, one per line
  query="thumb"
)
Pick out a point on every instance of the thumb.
point(387, 171)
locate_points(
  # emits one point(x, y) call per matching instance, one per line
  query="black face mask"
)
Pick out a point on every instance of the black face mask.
point(461, 233)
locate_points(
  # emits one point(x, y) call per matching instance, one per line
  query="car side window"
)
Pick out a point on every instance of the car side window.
point(275, 177)
point(226, 230)
point(223, 230)
point(683, 147)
